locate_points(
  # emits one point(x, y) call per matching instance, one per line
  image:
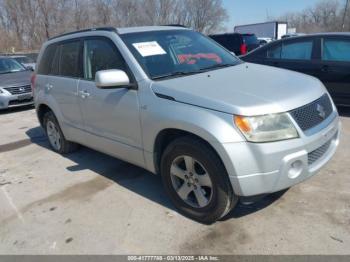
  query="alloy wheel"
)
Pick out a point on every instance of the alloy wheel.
point(191, 181)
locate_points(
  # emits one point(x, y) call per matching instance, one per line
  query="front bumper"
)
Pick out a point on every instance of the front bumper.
point(9, 100)
point(260, 168)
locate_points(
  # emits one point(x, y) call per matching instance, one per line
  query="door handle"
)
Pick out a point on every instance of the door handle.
point(84, 94)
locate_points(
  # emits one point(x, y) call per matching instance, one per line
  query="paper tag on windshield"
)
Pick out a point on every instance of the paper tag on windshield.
point(149, 48)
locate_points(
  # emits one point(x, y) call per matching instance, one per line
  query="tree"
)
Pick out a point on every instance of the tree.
point(325, 16)
point(26, 24)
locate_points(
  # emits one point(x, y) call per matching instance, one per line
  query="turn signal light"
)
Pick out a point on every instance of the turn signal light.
point(243, 124)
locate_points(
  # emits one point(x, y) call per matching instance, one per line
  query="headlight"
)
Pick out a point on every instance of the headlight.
point(266, 128)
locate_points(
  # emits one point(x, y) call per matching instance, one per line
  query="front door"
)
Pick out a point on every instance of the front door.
point(111, 116)
point(297, 55)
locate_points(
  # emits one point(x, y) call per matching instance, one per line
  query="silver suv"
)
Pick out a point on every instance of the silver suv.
point(174, 102)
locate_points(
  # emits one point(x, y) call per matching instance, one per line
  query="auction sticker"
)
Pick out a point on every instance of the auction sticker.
point(149, 48)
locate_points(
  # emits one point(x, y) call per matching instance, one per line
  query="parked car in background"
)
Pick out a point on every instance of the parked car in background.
point(15, 89)
point(239, 44)
point(292, 35)
point(174, 102)
point(25, 60)
point(264, 40)
point(325, 56)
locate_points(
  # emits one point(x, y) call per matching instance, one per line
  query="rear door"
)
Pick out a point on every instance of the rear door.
point(335, 67)
point(62, 84)
point(111, 116)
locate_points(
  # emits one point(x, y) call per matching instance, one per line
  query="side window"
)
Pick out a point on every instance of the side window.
point(274, 52)
point(54, 69)
point(69, 61)
point(297, 51)
point(101, 54)
point(46, 60)
point(336, 50)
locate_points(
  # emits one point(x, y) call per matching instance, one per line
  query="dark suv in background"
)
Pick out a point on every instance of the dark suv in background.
point(240, 44)
point(325, 56)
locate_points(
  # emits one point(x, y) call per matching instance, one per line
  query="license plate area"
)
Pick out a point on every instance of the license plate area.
point(24, 97)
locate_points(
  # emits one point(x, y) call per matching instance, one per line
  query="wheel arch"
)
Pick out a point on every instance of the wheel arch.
point(42, 109)
point(166, 136)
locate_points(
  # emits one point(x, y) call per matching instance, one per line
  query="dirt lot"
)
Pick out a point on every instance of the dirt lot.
point(90, 203)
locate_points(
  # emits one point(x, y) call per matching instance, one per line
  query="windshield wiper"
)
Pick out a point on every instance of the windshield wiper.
point(175, 74)
point(217, 66)
point(183, 73)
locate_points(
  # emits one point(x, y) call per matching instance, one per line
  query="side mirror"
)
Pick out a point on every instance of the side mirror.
point(112, 78)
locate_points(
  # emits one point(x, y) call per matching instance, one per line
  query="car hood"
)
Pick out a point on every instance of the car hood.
point(15, 79)
point(244, 89)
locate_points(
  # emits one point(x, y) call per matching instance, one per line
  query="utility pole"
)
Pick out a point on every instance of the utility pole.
point(345, 13)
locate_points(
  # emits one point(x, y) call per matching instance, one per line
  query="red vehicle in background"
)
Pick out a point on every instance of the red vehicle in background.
point(240, 44)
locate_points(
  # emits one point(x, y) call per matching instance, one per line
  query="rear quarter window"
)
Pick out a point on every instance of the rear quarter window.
point(46, 60)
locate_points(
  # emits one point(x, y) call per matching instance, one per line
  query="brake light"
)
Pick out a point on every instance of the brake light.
point(32, 82)
point(244, 49)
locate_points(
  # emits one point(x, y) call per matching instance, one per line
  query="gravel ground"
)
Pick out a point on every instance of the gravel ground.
point(90, 203)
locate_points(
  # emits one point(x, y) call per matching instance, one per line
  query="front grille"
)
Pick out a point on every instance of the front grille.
point(17, 90)
point(318, 153)
point(313, 114)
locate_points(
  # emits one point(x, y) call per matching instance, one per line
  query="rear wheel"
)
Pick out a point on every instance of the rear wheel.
point(196, 180)
point(56, 138)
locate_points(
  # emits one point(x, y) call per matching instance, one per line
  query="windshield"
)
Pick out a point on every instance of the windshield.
point(9, 65)
point(173, 53)
point(24, 60)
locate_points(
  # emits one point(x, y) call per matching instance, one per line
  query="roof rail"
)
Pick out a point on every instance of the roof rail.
point(110, 29)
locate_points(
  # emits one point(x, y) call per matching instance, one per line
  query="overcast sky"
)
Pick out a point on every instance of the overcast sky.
point(255, 11)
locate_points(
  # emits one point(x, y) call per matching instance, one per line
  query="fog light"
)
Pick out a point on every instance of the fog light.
point(296, 168)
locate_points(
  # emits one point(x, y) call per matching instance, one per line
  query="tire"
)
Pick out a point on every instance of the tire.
point(219, 197)
point(54, 132)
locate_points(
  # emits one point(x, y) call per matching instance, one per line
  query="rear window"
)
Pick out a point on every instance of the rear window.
point(231, 42)
point(250, 40)
point(46, 60)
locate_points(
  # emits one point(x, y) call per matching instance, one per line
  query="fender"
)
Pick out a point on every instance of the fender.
point(217, 128)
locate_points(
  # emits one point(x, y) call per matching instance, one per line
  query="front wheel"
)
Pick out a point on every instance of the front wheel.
point(196, 180)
